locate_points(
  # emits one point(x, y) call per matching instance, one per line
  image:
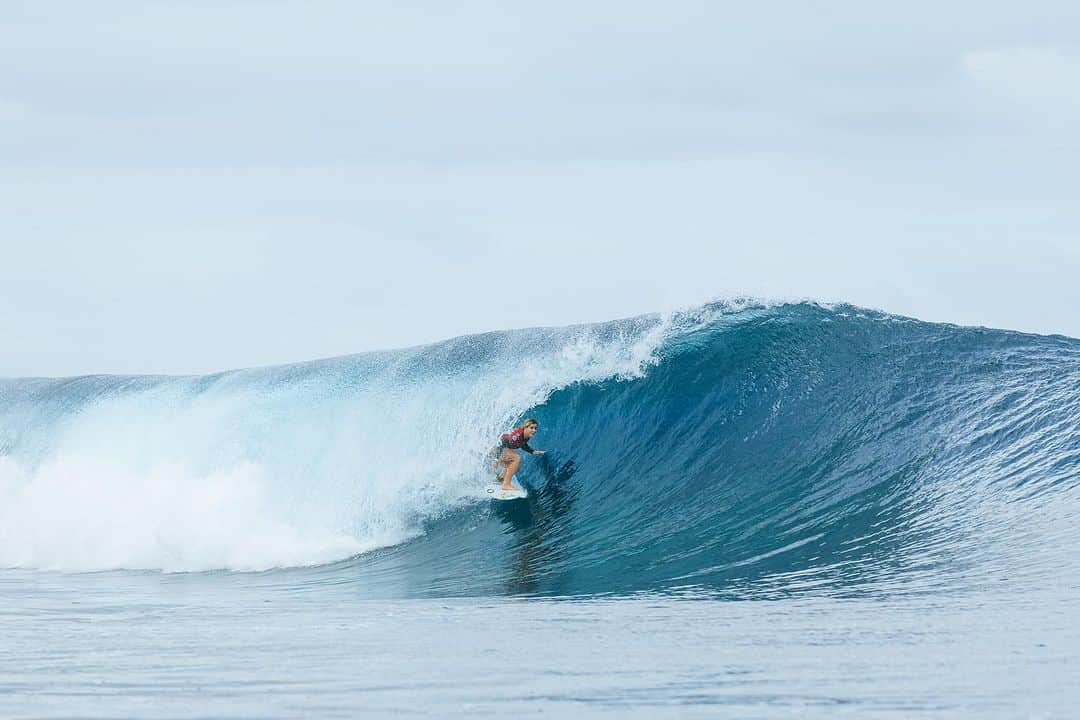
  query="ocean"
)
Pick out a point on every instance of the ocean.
point(745, 509)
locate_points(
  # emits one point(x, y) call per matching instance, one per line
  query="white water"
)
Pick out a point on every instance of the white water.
point(286, 466)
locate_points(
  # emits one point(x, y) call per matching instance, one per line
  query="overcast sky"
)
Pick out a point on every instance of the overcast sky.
point(194, 186)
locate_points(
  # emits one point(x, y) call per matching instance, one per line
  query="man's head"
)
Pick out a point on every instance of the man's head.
point(530, 427)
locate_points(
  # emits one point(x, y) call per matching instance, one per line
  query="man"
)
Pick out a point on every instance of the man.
point(516, 439)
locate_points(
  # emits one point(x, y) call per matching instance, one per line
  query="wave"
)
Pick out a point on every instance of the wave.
point(294, 465)
point(739, 448)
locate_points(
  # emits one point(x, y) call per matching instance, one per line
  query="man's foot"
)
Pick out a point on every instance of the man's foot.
point(507, 486)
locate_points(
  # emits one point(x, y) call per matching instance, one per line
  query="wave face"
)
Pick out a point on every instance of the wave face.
point(738, 449)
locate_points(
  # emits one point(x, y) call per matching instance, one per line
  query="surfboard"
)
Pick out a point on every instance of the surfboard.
point(497, 493)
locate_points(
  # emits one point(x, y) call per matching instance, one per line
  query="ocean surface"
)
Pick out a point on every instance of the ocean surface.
point(745, 510)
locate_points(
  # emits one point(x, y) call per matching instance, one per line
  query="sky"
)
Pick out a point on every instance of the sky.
point(195, 186)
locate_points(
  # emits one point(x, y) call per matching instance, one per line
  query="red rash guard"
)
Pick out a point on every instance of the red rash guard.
point(515, 440)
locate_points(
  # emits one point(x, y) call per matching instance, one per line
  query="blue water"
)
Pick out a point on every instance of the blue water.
point(745, 509)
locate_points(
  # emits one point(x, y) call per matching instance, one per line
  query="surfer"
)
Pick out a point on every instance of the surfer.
point(503, 453)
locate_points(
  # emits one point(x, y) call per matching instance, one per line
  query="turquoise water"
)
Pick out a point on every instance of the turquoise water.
point(744, 510)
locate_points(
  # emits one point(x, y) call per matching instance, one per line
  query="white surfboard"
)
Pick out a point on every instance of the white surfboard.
point(497, 493)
